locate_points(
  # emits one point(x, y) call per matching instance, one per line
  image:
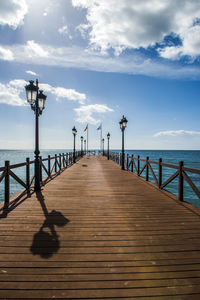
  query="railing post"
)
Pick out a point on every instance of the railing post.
point(49, 165)
point(67, 159)
point(60, 167)
point(55, 163)
point(63, 157)
point(180, 183)
point(7, 184)
point(160, 172)
point(132, 163)
point(138, 166)
point(127, 161)
point(147, 168)
point(40, 168)
point(28, 174)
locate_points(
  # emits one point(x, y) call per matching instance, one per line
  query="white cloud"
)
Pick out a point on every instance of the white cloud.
point(10, 94)
point(133, 24)
point(31, 73)
point(77, 57)
point(18, 84)
point(34, 49)
point(60, 92)
point(12, 12)
point(6, 54)
point(177, 133)
point(63, 30)
point(190, 45)
point(85, 113)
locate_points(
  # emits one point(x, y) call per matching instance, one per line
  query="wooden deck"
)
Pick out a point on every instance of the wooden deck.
point(96, 232)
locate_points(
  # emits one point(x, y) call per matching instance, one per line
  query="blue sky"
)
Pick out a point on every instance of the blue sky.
point(99, 60)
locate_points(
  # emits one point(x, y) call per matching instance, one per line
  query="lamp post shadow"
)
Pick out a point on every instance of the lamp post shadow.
point(46, 240)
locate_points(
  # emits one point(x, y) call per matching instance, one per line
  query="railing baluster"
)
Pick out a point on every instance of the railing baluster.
point(180, 184)
point(147, 168)
point(160, 172)
point(55, 163)
point(132, 163)
point(60, 166)
point(49, 165)
point(127, 162)
point(28, 174)
point(138, 166)
point(67, 159)
point(40, 168)
point(7, 184)
point(63, 159)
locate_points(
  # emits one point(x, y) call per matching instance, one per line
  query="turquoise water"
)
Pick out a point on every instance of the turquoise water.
point(190, 158)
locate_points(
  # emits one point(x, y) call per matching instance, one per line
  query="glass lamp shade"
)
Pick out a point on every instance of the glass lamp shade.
point(74, 131)
point(41, 100)
point(108, 135)
point(123, 123)
point(31, 92)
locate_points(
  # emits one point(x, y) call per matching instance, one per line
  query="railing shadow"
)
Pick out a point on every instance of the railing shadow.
point(4, 211)
point(46, 240)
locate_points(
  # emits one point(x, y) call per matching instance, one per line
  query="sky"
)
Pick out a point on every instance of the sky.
point(97, 60)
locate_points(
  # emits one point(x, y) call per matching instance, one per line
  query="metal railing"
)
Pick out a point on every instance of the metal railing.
point(133, 164)
point(54, 166)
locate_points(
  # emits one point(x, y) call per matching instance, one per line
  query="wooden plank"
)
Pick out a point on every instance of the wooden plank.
point(98, 232)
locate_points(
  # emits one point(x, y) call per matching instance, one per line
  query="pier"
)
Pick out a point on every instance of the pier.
point(98, 232)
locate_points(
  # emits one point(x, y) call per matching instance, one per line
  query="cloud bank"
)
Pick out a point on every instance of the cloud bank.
point(13, 93)
point(133, 24)
point(60, 92)
point(12, 12)
point(177, 133)
point(6, 54)
point(85, 113)
point(78, 57)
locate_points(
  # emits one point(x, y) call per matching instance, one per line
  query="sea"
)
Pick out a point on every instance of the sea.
point(191, 158)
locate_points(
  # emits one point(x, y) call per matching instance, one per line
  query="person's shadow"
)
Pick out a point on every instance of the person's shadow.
point(46, 240)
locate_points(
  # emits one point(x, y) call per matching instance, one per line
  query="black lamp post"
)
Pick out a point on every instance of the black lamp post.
point(36, 99)
point(103, 146)
point(81, 145)
point(74, 131)
point(85, 146)
point(108, 137)
point(123, 124)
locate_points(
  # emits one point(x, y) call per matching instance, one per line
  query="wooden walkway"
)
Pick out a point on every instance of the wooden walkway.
point(96, 232)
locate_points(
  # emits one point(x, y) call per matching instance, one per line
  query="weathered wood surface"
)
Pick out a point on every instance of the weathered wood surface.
point(96, 232)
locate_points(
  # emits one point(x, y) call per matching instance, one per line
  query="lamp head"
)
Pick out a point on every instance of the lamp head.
point(41, 101)
point(31, 92)
point(123, 123)
point(74, 131)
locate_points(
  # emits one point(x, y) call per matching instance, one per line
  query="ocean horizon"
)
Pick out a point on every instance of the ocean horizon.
point(191, 158)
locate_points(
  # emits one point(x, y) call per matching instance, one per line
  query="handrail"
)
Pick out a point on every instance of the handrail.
point(133, 165)
point(55, 165)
